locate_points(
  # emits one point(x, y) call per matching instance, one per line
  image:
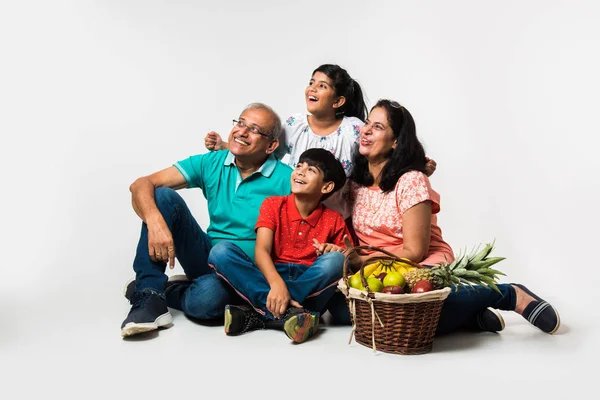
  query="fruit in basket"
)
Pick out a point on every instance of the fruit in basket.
point(422, 286)
point(393, 290)
point(374, 284)
point(355, 282)
point(467, 269)
point(394, 279)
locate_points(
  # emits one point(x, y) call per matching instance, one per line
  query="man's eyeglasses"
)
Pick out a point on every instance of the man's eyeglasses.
point(251, 128)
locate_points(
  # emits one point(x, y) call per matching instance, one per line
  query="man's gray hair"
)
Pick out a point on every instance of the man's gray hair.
point(276, 128)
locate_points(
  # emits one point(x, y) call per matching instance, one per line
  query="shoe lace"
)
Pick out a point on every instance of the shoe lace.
point(139, 299)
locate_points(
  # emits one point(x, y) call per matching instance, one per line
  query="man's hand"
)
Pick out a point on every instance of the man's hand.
point(160, 243)
point(323, 248)
point(213, 141)
point(430, 166)
point(279, 298)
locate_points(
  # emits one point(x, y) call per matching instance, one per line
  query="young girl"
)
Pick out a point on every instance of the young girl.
point(336, 111)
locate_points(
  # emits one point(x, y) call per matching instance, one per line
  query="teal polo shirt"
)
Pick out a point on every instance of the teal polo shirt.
point(233, 203)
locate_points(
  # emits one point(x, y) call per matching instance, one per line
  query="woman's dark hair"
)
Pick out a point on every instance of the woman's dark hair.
point(408, 155)
point(345, 86)
point(333, 171)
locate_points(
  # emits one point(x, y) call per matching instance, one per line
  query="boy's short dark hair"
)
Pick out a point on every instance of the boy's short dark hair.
point(333, 171)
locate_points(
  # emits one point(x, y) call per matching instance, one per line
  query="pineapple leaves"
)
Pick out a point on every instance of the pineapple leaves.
point(471, 269)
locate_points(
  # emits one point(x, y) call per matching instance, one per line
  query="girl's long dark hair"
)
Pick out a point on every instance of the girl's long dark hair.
point(409, 154)
point(345, 86)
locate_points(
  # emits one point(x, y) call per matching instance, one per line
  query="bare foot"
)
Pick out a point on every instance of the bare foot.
point(523, 299)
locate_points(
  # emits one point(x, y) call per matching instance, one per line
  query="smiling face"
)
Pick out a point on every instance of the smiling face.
point(320, 95)
point(309, 180)
point(243, 143)
point(376, 137)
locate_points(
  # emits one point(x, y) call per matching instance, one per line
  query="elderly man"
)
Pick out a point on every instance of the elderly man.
point(234, 182)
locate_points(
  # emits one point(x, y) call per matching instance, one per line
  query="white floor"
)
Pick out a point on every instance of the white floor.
point(67, 344)
point(94, 94)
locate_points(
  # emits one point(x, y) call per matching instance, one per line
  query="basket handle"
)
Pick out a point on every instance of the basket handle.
point(370, 260)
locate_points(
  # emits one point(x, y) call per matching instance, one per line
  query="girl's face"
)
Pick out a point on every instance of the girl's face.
point(376, 136)
point(320, 95)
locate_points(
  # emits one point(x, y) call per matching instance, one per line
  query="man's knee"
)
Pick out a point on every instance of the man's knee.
point(221, 253)
point(166, 196)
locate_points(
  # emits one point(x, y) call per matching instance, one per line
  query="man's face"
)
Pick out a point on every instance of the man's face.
point(243, 142)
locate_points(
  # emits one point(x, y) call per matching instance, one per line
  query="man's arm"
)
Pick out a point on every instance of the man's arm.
point(160, 240)
point(279, 296)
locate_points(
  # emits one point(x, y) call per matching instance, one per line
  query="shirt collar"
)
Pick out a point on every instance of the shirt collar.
point(294, 215)
point(265, 170)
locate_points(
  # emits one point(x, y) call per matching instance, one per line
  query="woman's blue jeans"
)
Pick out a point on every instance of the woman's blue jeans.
point(207, 295)
point(312, 286)
point(459, 309)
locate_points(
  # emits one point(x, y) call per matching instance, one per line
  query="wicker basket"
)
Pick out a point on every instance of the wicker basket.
point(392, 323)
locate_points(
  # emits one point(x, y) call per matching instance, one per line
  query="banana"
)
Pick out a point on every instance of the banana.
point(369, 269)
point(376, 272)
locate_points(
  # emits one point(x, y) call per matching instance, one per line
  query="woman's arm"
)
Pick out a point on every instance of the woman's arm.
point(416, 233)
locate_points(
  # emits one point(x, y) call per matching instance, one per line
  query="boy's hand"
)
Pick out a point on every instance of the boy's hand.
point(279, 298)
point(323, 248)
point(213, 141)
point(430, 166)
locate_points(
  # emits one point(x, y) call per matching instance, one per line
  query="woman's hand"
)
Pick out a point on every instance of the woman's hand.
point(355, 261)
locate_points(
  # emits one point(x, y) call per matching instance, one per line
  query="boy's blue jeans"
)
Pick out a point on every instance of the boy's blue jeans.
point(312, 286)
point(207, 295)
point(459, 309)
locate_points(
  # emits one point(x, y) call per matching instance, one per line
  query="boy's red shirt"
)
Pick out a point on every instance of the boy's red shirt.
point(293, 235)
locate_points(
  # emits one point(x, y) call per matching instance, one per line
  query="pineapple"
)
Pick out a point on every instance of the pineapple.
point(471, 269)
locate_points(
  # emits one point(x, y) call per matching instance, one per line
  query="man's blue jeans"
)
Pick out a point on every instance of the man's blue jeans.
point(207, 295)
point(458, 311)
point(312, 286)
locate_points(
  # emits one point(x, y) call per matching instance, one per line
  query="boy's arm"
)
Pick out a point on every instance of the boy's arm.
point(279, 296)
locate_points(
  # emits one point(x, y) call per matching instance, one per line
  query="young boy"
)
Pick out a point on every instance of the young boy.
point(298, 253)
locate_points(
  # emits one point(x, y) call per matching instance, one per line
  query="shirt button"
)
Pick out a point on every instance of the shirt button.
point(300, 233)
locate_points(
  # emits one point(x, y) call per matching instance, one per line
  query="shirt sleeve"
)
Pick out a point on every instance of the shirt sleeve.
point(268, 214)
point(413, 188)
point(192, 170)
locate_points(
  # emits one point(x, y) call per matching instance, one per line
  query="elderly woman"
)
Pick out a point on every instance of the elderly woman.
point(395, 208)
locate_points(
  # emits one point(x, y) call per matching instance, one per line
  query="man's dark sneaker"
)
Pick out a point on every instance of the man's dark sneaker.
point(129, 288)
point(300, 324)
point(489, 320)
point(241, 319)
point(148, 312)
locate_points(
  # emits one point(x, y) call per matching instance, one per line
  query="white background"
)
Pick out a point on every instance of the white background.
point(94, 94)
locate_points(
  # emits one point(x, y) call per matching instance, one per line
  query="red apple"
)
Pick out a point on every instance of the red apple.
point(422, 286)
point(381, 276)
point(393, 290)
